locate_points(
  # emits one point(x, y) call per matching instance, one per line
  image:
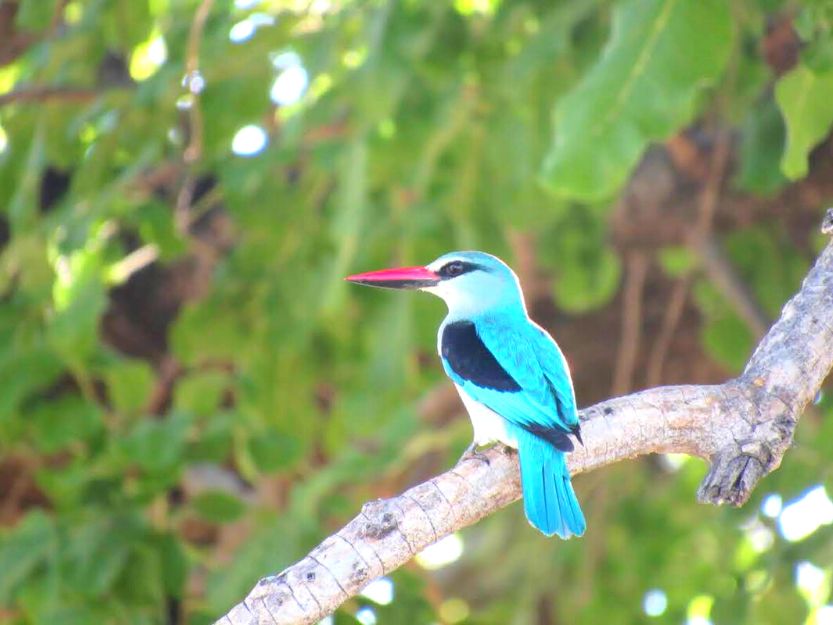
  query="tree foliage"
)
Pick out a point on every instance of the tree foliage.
point(191, 397)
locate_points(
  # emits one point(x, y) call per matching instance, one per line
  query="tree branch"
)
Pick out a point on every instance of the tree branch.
point(636, 270)
point(742, 427)
point(45, 92)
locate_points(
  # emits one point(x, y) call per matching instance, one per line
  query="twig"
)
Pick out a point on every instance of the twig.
point(711, 191)
point(193, 151)
point(682, 152)
point(135, 261)
point(439, 404)
point(184, 198)
point(57, 17)
point(718, 267)
point(635, 273)
point(44, 93)
point(742, 427)
point(673, 313)
point(168, 372)
point(535, 287)
point(192, 70)
point(11, 498)
point(723, 275)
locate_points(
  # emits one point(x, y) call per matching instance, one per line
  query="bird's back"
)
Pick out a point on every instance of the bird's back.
point(516, 387)
point(510, 364)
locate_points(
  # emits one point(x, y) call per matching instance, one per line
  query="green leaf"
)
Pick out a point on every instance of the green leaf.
point(22, 550)
point(23, 371)
point(818, 56)
point(174, 563)
point(661, 54)
point(728, 340)
point(200, 392)
point(57, 423)
point(218, 507)
point(762, 143)
point(35, 15)
point(768, 265)
point(79, 298)
point(676, 261)
point(783, 603)
point(411, 604)
point(275, 539)
point(156, 226)
point(806, 102)
point(157, 446)
point(69, 485)
point(272, 450)
point(129, 384)
point(142, 581)
point(207, 319)
point(586, 271)
point(23, 207)
point(585, 286)
point(215, 437)
point(99, 550)
point(125, 23)
point(24, 261)
point(814, 25)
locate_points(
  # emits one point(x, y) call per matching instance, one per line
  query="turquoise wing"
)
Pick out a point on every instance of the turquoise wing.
point(515, 368)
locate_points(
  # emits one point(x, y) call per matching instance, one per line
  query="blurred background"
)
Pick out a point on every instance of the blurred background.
point(190, 395)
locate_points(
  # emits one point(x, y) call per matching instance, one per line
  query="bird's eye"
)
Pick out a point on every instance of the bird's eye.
point(454, 268)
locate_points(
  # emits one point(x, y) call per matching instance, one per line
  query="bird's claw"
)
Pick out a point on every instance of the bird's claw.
point(471, 453)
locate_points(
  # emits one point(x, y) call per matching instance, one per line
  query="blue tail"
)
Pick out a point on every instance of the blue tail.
point(549, 499)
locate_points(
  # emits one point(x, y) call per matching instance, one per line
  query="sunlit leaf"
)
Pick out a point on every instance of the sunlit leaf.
point(806, 102)
point(645, 85)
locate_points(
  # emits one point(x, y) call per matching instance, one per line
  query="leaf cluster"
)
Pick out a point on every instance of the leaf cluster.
point(191, 397)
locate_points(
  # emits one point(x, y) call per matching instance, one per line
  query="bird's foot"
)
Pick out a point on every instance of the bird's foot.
point(472, 453)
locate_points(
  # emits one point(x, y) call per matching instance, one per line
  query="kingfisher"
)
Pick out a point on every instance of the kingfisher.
point(511, 375)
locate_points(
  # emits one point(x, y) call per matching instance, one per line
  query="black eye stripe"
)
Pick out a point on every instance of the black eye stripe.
point(456, 268)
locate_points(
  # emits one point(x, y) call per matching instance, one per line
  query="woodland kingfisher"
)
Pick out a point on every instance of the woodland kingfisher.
point(509, 372)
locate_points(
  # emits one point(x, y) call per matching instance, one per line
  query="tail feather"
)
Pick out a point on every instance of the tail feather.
point(550, 502)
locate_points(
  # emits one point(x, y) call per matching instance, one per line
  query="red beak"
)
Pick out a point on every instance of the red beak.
point(399, 278)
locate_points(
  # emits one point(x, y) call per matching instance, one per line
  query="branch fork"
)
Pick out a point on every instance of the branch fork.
point(742, 428)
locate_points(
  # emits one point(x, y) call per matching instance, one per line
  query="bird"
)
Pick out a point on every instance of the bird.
point(509, 372)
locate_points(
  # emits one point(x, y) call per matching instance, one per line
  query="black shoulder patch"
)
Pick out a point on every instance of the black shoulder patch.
point(469, 358)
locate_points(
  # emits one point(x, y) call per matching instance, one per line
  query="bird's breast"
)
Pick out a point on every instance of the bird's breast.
point(488, 426)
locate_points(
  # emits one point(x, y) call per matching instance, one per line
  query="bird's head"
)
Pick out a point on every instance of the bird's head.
point(469, 282)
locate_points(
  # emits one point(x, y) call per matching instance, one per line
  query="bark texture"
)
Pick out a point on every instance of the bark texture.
point(742, 428)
